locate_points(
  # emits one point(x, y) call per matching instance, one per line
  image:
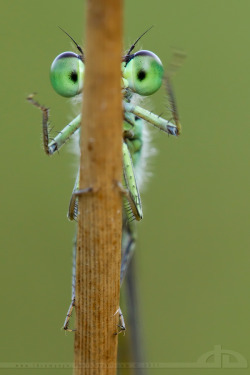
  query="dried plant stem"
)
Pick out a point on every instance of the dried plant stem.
point(100, 211)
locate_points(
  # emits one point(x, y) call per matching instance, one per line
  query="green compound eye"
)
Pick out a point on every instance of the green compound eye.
point(144, 73)
point(66, 74)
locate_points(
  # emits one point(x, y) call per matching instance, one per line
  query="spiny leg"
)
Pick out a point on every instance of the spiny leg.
point(169, 88)
point(62, 137)
point(73, 204)
point(133, 195)
point(45, 114)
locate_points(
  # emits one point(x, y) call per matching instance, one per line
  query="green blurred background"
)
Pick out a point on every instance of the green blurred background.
point(193, 246)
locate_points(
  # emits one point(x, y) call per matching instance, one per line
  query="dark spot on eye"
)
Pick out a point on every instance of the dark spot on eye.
point(141, 75)
point(74, 76)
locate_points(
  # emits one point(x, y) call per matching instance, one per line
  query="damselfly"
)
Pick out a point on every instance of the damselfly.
point(142, 75)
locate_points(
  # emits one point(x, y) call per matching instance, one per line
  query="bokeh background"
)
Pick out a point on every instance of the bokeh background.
point(193, 244)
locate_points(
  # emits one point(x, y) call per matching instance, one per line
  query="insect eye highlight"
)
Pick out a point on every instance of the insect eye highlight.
point(144, 73)
point(66, 74)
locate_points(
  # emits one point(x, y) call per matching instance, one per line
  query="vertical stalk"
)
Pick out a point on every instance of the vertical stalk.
point(100, 211)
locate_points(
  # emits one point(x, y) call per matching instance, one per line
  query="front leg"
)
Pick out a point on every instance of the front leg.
point(45, 114)
point(62, 136)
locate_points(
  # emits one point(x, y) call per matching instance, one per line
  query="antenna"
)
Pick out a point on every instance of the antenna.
point(127, 57)
point(77, 45)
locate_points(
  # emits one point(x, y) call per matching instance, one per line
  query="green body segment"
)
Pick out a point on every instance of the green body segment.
point(134, 137)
